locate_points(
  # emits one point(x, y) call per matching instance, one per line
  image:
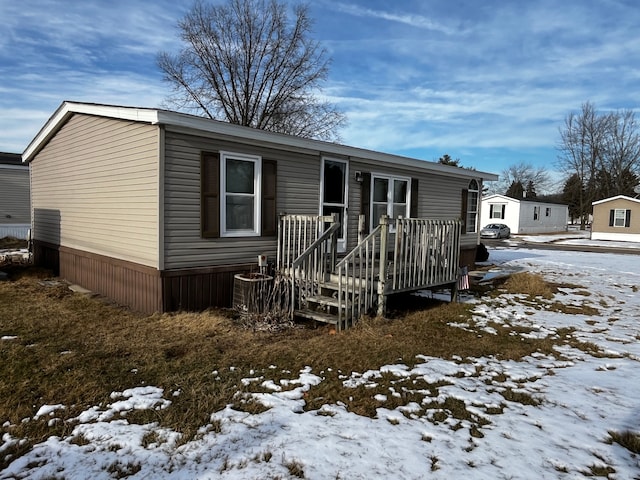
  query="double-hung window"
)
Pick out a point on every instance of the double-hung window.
point(496, 210)
point(621, 217)
point(389, 196)
point(240, 194)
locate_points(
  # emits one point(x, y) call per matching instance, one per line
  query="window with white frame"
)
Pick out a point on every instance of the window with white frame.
point(472, 207)
point(240, 194)
point(620, 218)
point(536, 213)
point(496, 210)
point(547, 212)
point(389, 196)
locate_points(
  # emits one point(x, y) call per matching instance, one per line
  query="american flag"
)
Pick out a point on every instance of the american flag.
point(463, 278)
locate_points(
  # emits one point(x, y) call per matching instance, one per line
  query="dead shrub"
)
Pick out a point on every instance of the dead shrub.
point(531, 284)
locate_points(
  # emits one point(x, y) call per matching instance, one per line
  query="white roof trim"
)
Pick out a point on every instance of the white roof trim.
point(506, 198)
point(64, 111)
point(501, 197)
point(617, 197)
point(164, 117)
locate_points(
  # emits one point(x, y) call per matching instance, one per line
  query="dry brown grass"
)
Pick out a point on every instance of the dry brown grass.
point(627, 439)
point(75, 350)
point(531, 284)
point(11, 242)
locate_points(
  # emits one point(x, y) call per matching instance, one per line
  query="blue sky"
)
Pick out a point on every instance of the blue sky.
point(488, 82)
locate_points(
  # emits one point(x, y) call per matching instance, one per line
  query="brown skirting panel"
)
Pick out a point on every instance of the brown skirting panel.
point(139, 287)
point(46, 255)
point(197, 289)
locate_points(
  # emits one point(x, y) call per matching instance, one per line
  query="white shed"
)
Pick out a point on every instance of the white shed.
point(524, 215)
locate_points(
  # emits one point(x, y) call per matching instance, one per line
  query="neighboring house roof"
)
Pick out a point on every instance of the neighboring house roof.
point(520, 200)
point(10, 158)
point(164, 117)
point(617, 197)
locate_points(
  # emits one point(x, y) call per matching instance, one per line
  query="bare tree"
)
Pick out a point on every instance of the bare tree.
point(245, 63)
point(621, 152)
point(581, 148)
point(523, 174)
point(601, 152)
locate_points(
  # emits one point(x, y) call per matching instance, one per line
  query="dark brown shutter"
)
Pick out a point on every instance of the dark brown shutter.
point(210, 195)
point(503, 209)
point(611, 217)
point(627, 218)
point(413, 208)
point(463, 210)
point(269, 182)
point(365, 199)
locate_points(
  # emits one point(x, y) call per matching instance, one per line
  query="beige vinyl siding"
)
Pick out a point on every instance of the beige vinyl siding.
point(95, 188)
point(601, 217)
point(14, 195)
point(298, 176)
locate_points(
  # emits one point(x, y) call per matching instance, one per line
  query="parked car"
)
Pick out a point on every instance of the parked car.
point(495, 230)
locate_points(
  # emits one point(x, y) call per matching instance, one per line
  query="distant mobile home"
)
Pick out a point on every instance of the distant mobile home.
point(159, 210)
point(616, 218)
point(525, 215)
point(15, 214)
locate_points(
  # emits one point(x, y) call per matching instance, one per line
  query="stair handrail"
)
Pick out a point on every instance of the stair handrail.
point(311, 266)
point(315, 245)
point(295, 234)
point(358, 286)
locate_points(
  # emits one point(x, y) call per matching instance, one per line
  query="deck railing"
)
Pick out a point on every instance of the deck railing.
point(419, 253)
point(306, 254)
point(358, 275)
point(426, 253)
point(296, 234)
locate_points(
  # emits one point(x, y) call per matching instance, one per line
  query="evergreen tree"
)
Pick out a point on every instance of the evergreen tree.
point(572, 195)
point(515, 190)
point(531, 190)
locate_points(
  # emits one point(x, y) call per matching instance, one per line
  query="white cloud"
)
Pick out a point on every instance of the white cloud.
point(408, 19)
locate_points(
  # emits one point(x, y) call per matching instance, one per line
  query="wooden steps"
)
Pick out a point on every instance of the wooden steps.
point(317, 316)
point(323, 307)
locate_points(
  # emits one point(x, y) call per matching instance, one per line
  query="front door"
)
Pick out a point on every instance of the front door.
point(334, 194)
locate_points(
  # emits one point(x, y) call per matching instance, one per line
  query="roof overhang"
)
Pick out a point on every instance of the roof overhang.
point(192, 122)
point(617, 197)
point(67, 109)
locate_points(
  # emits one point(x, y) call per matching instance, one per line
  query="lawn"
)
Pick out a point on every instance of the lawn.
point(68, 350)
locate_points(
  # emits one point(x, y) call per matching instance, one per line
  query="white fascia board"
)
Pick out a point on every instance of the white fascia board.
point(64, 111)
point(156, 116)
point(504, 198)
point(617, 197)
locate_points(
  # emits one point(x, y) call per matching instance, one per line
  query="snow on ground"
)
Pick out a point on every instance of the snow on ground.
point(572, 238)
point(554, 425)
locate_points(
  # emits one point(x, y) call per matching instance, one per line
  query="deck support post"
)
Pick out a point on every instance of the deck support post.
point(382, 281)
point(454, 292)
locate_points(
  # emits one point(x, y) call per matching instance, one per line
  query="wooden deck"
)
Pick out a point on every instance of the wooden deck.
point(404, 255)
